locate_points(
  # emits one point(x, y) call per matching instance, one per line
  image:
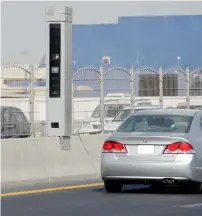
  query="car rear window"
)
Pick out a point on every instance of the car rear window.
point(157, 123)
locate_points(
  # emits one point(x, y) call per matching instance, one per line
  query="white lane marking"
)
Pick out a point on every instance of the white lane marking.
point(192, 205)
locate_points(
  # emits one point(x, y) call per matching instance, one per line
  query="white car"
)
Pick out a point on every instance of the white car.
point(122, 115)
point(111, 108)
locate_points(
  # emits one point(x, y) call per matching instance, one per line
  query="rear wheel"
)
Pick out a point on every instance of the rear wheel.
point(113, 186)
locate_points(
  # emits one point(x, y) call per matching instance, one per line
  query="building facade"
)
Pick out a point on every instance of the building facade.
point(167, 41)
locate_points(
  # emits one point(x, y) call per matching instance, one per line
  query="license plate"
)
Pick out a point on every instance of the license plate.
point(145, 149)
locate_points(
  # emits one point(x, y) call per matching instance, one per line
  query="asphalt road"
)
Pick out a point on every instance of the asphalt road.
point(94, 201)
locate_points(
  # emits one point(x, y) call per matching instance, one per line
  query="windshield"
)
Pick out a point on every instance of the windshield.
point(110, 110)
point(156, 123)
point(122, 115)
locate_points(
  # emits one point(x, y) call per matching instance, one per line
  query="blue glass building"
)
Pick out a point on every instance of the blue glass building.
point(153, 40)
point(139, 41)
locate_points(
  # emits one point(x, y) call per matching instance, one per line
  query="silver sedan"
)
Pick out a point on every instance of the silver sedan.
point(156, 147)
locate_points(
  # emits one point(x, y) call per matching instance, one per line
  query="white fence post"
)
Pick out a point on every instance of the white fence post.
point(132, 88)
point(102, 99)
point(187, 87)
point(73, 108)
point(161, 87)
point(32, 119)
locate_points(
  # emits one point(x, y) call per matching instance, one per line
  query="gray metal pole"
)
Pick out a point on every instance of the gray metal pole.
point(187, 87)
point(161, 87)
point(132, 89)
point(26, 79)
point(31, 70)
point(72, 108)
point(102, 99)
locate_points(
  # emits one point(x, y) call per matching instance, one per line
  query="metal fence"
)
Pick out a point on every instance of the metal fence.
point(94, 88)
point(169, 87)
point(20, 89)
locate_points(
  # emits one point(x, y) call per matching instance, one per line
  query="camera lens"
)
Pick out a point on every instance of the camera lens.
point(55, 57)
point(55, 70)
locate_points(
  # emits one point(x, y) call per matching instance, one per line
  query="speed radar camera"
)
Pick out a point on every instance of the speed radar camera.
point(59, 72)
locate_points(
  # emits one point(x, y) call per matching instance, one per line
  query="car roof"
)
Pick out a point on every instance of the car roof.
point(191, 106)
point(142, 107)
point(5, 107)
point(184, 112)
point(123, 101)
point(118, 101)
point(8, 107)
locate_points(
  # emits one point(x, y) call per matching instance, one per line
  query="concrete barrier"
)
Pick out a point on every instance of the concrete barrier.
point(41, 158)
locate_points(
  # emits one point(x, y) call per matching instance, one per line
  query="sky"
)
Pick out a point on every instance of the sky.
point(23, 23)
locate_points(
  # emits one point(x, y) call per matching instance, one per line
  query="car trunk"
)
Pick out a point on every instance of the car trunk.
point(149, 146)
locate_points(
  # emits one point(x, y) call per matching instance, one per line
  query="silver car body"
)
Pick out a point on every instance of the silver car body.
point(146, 158)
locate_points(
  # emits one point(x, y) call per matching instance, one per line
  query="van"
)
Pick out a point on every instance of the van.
point(14, 123)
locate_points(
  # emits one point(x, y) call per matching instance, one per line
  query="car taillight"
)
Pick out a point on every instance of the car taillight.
point(179, 148)
point(114, 147)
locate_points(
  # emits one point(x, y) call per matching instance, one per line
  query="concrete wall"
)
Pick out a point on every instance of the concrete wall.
point(41, 158)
